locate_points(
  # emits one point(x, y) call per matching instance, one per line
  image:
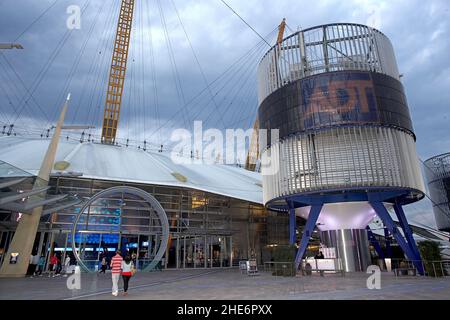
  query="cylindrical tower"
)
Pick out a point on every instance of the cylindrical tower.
point(437, 172)
point(346, 141)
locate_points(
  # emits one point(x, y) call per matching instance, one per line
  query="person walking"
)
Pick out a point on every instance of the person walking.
point(104, 265)
point(59, 266)
point(116, 266)
point(31, 266)
point(66, 265)
point(127, 272)
point(320, 256)
point(41, 265)
point(35, 265)
point(54, 261)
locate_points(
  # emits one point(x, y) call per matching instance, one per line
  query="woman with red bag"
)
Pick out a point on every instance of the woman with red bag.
point(127, 272)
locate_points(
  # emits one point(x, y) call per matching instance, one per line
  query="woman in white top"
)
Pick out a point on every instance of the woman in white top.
point(127, 272)
point(67, 265)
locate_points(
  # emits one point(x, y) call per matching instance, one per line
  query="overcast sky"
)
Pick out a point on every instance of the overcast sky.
point(56, 61)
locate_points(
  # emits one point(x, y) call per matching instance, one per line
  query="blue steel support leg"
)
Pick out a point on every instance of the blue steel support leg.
point(292, 226)
point(408, 233)
point(375, 243)
point(307, 232)
point(387, 236)
point(382, 212)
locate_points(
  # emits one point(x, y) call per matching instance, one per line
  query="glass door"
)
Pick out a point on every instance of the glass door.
point(130, 246)
point(109, 243)
point(144, 252)
point(220, 251)
point(189, 255)
point(92, 247)
point(172, 252)
point(200, 254)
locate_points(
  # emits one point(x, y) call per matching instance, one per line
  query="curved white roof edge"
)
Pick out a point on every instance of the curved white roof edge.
point(112, 163)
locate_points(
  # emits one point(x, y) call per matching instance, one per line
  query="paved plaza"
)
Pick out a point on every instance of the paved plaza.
point(228, 284)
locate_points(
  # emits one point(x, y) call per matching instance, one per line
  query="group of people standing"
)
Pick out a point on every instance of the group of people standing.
point(37, 265)
point(120, 267)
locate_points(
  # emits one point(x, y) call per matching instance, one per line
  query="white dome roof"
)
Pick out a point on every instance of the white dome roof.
point(98, 161)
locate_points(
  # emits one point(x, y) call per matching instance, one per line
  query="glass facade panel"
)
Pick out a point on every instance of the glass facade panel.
point(207, 230)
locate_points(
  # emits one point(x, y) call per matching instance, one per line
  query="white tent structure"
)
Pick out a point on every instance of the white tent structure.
point(115, 163)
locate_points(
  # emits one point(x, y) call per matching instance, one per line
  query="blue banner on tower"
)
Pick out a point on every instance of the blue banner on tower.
point(338, 98)
point(342, 98)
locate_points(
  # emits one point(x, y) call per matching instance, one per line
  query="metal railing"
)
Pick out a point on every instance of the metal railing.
point(285, 269)
point(402, 267)
point(325, 48)
point(307, 267)
point(333, 266)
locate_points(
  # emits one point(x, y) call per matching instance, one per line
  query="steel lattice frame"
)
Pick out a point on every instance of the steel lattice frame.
point(117, 72)
point(326, 48)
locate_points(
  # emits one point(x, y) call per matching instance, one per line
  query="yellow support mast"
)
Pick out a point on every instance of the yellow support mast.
point(281, 29)
point(253, 150)
point(117, 73)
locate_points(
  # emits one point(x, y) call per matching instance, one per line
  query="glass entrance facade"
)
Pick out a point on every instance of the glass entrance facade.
point(200, 252)
point(206, 230)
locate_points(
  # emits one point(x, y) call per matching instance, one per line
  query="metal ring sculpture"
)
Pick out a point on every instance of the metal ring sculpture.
point(154, 204)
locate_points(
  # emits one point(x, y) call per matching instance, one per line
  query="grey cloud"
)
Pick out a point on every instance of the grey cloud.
point(419, 31)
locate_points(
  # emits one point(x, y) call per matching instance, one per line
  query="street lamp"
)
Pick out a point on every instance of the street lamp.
point(10, 46)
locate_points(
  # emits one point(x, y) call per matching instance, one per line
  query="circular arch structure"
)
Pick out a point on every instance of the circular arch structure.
point(152, 203)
